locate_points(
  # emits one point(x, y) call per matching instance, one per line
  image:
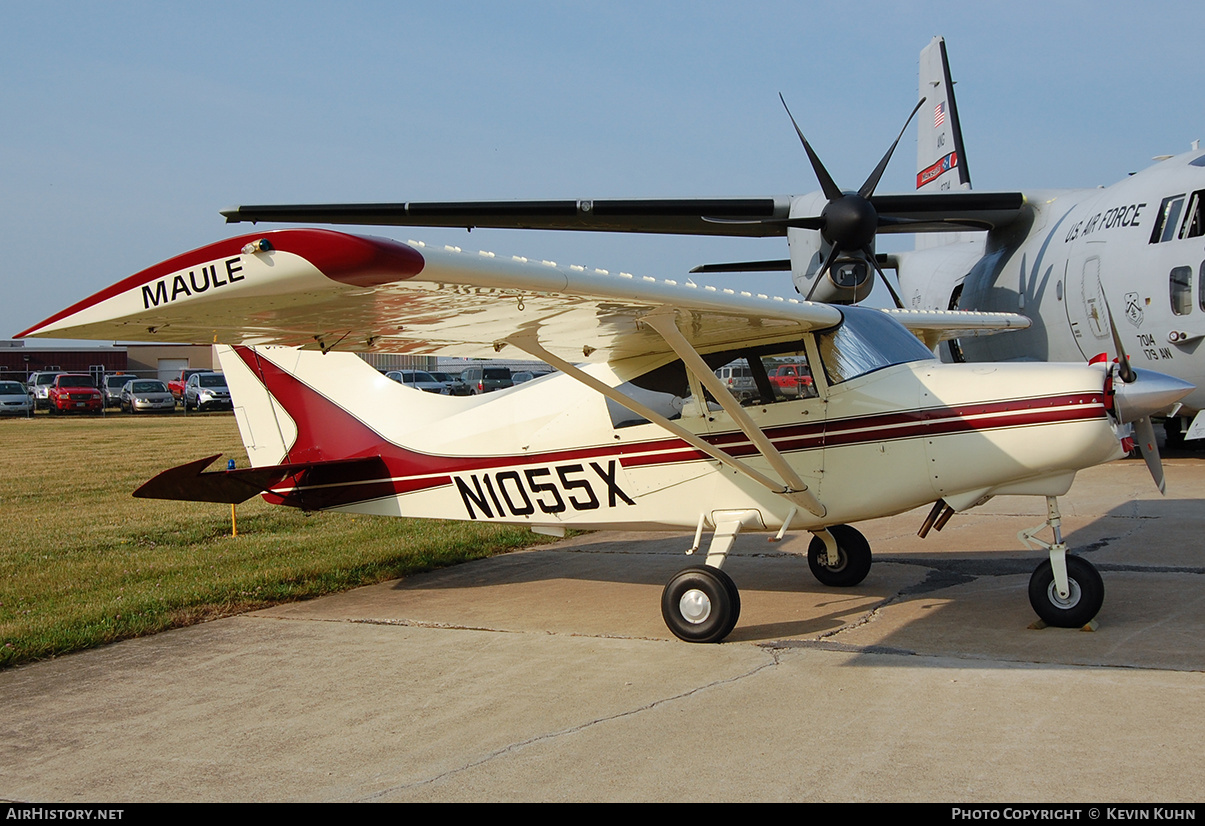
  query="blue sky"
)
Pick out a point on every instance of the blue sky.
point(127, 126)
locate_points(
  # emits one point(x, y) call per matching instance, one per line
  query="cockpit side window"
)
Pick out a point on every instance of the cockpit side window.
point(1168, 220)
point(1194, 220)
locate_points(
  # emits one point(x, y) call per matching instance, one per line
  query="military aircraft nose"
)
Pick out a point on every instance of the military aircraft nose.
point(1148, 394)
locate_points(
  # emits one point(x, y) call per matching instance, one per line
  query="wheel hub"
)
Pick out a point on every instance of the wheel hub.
point(1072, 598)
point(695, 606)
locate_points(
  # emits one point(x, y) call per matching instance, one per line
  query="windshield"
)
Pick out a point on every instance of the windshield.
point(147, 387)
point(212, 381)
point(867, 340)
point(11, 388)
point(116, 381)
point(76, 381)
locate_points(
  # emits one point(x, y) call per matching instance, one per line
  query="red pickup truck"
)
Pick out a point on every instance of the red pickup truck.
point(72, 391)
point(176, 385)
point(792, 381)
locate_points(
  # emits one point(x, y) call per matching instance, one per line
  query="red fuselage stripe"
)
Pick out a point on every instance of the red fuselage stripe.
point(327, 431)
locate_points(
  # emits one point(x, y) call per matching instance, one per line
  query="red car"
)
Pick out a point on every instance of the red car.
point(74, 391)
point(793, 380)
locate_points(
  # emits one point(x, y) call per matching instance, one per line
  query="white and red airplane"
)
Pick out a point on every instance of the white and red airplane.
point(635, 431)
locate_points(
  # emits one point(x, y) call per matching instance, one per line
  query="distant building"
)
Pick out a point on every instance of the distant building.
point(17, 361)
point(162, 361)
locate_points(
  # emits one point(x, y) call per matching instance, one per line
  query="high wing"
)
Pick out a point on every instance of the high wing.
point(323, 289)
point(738, 217)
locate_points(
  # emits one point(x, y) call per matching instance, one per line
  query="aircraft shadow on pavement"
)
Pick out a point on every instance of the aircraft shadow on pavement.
point(962, 593)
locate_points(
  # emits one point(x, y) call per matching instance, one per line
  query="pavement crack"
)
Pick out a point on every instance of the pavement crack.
point(516, 747)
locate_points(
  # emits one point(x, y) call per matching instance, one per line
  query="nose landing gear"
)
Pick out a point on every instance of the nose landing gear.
point(1066, 591)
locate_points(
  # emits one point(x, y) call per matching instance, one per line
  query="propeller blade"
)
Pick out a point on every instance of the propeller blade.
point(827, 185)
point(869, 253)
point(868, 188)
point(1144, 437)
point(832, 254)
point(1123, 360)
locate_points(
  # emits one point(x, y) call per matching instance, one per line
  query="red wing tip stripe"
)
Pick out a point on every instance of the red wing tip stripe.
point(340, 256)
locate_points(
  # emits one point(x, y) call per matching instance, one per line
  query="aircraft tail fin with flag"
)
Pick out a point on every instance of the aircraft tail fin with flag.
point(941, 164)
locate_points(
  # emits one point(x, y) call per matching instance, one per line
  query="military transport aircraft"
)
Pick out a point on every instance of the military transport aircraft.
point(1058, 257)
point(635, 431)
point(1071, 260)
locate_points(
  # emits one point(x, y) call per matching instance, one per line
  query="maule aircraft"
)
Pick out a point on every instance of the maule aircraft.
point(635, 430)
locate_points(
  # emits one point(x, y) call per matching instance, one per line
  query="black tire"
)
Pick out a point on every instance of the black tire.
point(701, 604)
point(1082, 604)
point(853, 562)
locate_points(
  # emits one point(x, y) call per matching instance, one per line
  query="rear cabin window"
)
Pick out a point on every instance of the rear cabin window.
point(865, 341)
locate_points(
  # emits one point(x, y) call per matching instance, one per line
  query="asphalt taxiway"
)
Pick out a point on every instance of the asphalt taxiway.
point(549, 675)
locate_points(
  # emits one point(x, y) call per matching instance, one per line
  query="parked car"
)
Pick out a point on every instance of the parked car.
point(792, 381)
point(204, 391)
point(738, 378)
point(74, 392)
point(527, 375)
point(419, 379)
point(455, 385)
point(486, 379)
point(15, 399)
point(39, 384)
point(110, 387)
point(176, 385)
point(145, 395)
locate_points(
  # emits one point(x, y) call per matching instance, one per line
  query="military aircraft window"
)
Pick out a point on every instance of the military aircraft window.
point(1168, 219)
point(1194, 221)
point(1181, 290)
point(1201, 286)
point(867, 340)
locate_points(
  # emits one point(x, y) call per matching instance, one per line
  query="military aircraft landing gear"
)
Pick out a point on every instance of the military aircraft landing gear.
point(850, 563)
point(1066, 591)
point(701, 604)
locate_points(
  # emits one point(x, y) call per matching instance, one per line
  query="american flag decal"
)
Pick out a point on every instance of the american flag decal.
point(939, 115)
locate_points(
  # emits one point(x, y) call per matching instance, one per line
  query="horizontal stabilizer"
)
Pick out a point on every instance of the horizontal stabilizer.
point(189, 483)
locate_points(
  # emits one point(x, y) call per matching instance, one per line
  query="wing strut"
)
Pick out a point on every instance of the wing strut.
point(794, 489)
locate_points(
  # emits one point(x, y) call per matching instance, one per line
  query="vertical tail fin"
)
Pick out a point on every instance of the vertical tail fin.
point(288, 405)
point(940, 158)
point(941, 163)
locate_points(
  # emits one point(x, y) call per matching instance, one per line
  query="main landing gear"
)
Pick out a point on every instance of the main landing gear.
point(1066, 591)
point(702, 604)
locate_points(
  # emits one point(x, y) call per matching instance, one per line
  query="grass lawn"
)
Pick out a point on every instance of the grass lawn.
point(84, 563)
